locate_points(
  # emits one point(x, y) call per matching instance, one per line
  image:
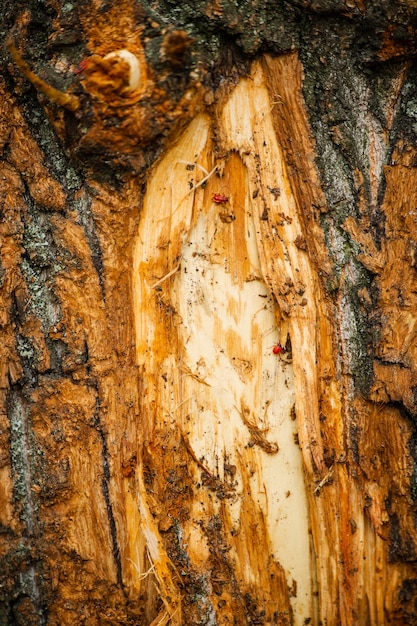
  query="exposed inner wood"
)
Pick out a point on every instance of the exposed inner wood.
point(216, 287)
point(204, 342)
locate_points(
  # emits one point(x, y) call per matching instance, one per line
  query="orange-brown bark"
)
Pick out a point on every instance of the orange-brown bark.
point(160, 464)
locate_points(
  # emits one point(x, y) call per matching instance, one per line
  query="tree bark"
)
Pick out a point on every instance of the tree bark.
point(207, 313)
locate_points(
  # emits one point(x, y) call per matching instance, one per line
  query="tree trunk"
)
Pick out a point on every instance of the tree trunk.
point(207, 303)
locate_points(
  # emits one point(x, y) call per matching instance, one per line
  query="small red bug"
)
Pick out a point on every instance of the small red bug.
point(277, 349)
point(81, 66)
point(219, 198)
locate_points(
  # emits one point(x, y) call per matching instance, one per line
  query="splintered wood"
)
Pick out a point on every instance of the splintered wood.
point(256, 469)
point(216, 286)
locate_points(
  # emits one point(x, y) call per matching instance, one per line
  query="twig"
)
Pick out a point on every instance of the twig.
point(203, 169)
point(327, 479)
point(145, 574)
point(203, 180)
point(66, 100)
point(164, 278)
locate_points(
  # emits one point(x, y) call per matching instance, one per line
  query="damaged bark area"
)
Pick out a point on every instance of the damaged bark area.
point(198, 424)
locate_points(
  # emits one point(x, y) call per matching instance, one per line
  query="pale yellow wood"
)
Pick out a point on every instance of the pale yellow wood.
point(205, 270)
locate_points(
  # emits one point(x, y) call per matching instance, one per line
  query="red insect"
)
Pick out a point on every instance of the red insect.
point(219, 198)
point(277, 349)
point(81, 66)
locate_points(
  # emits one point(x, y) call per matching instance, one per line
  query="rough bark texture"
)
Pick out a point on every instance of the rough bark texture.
point(250, 183)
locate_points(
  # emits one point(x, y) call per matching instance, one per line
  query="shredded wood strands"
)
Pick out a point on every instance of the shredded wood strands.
point(161, 563)
point(203, 169)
